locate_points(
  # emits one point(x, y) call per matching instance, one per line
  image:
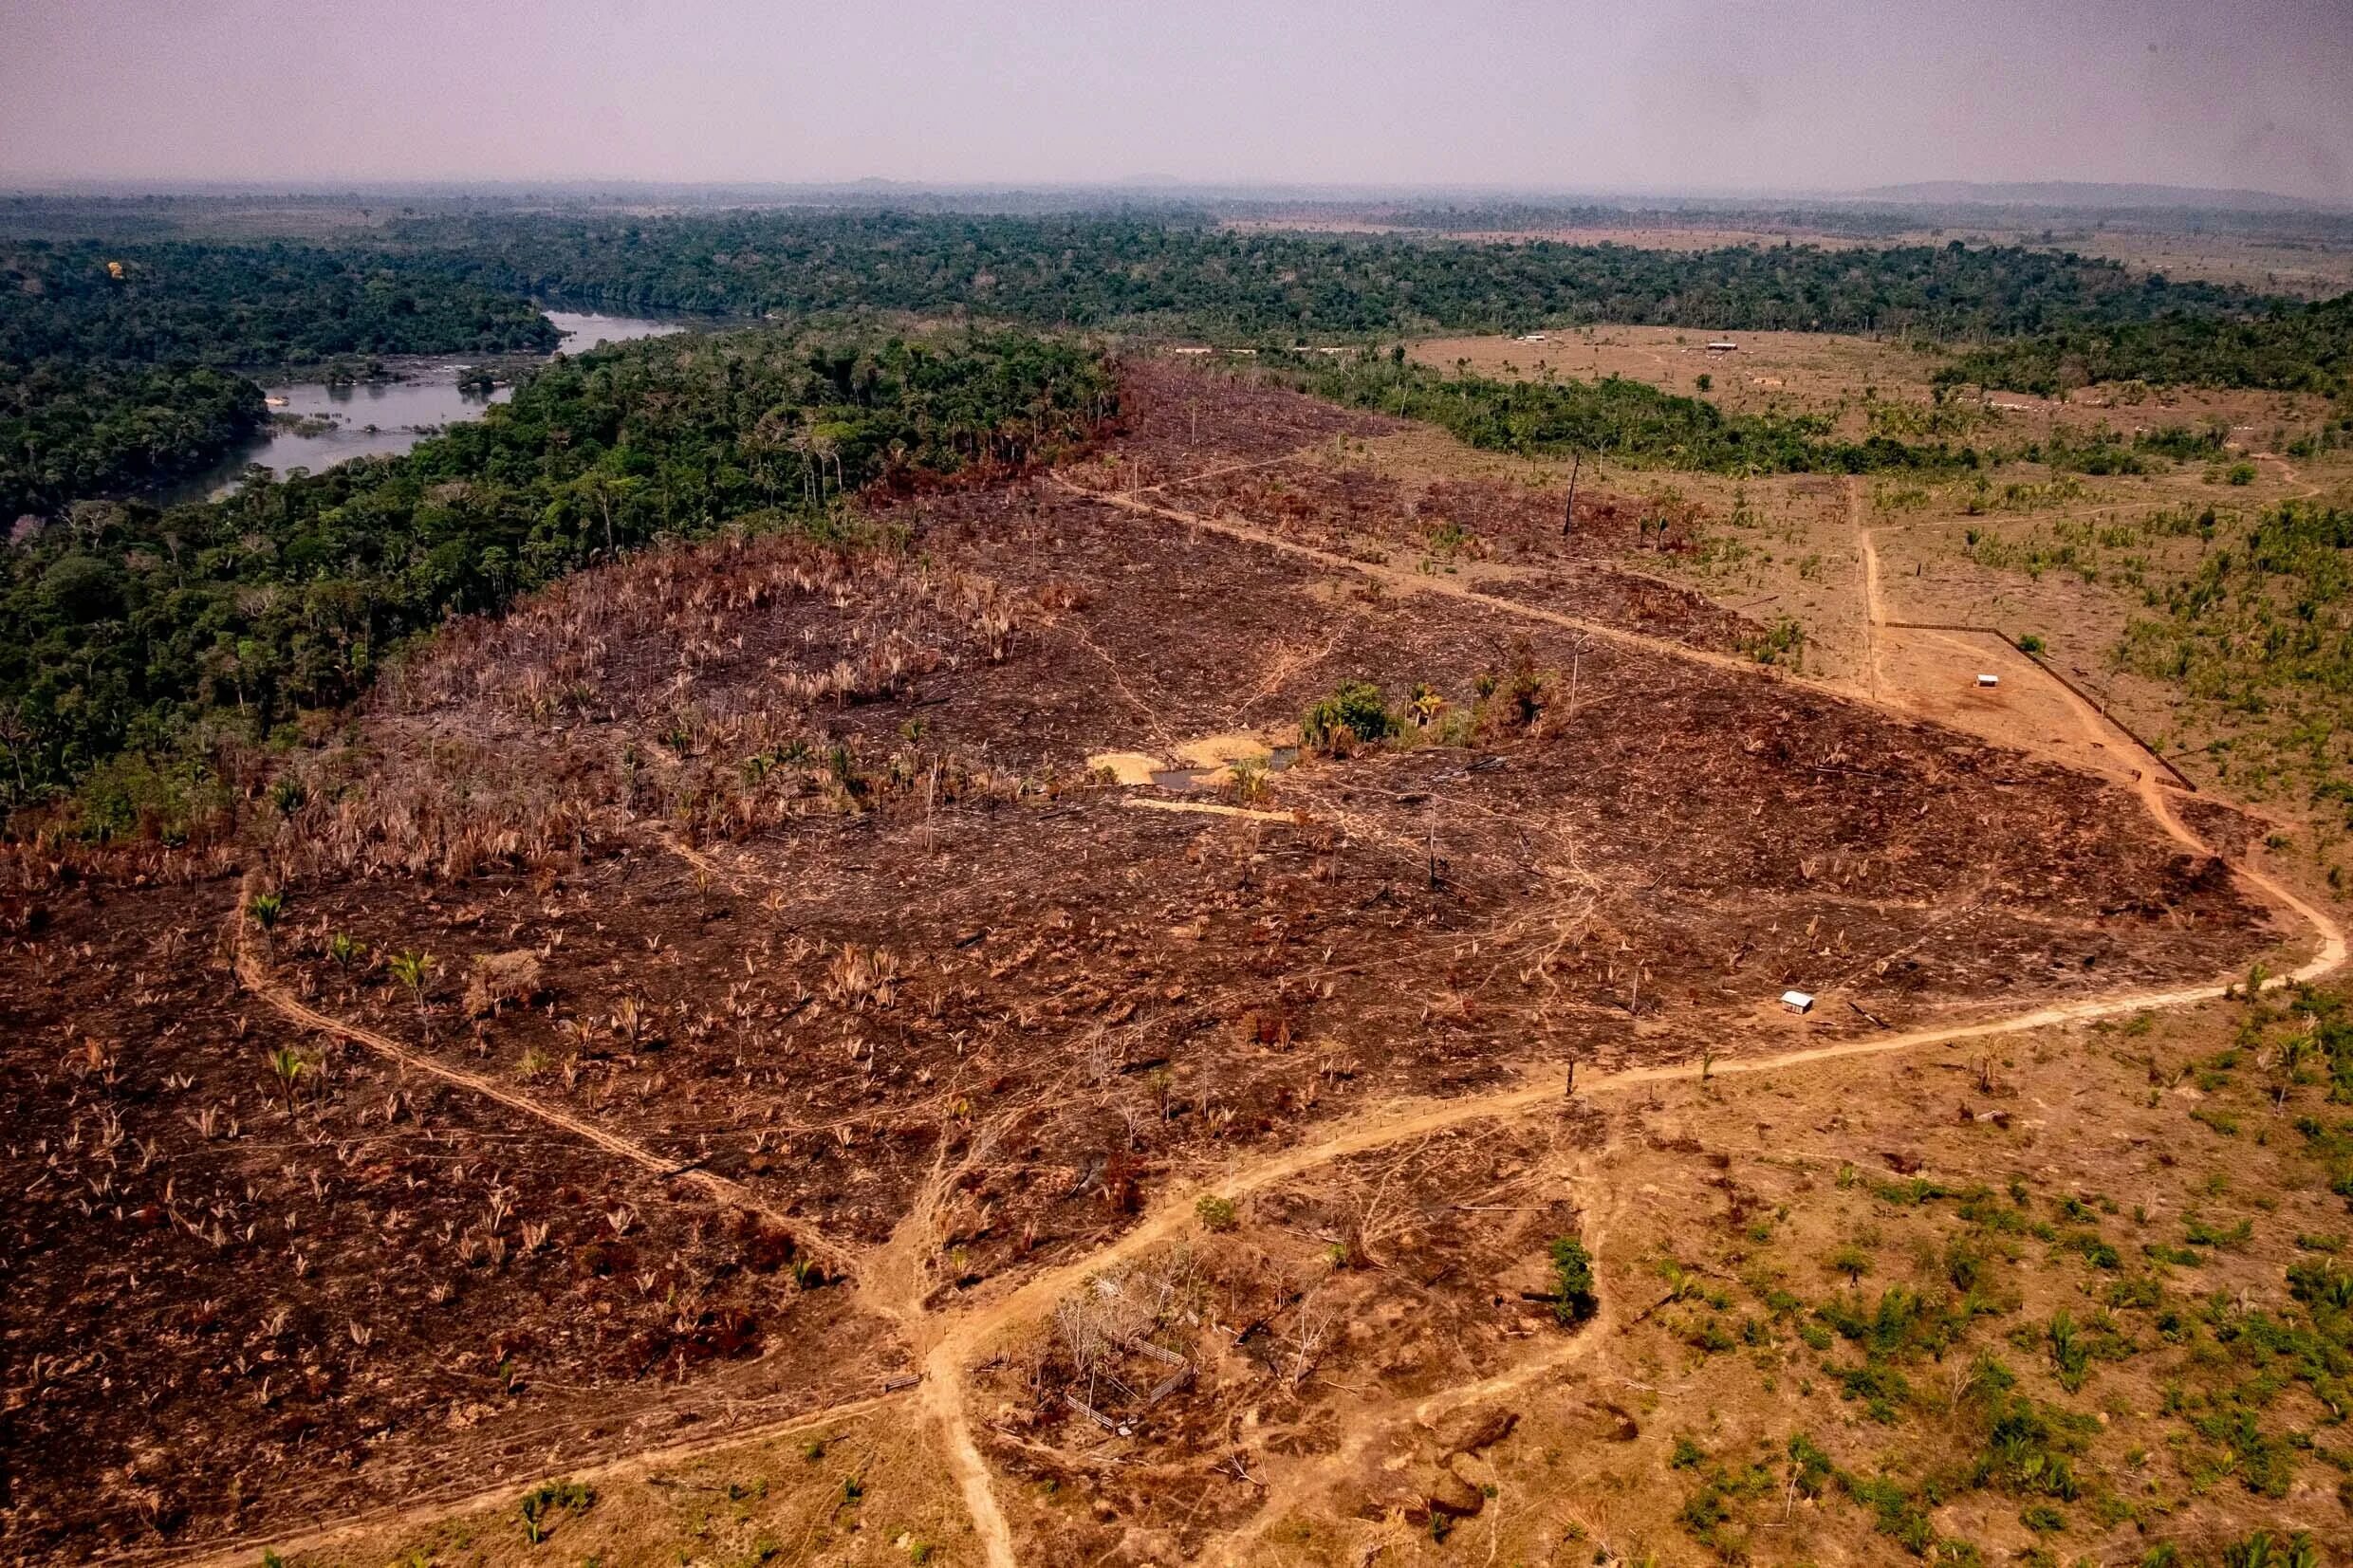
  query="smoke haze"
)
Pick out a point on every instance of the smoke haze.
point(1677, 96)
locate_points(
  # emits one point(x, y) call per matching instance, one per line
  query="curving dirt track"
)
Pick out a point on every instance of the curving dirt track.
point(957, 1346)
point(254, 976)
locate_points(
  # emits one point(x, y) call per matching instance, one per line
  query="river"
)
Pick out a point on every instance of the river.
point(367, 418)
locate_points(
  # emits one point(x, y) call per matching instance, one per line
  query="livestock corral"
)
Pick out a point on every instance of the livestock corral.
point(729, 989)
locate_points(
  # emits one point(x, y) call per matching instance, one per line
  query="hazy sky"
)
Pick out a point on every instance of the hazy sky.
point(1556, 94)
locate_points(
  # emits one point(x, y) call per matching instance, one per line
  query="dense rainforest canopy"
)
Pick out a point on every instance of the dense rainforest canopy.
point(132, 627)
point(1192, 277)
point(2293, 348)
point(117, 365)
point(182, 303)
point(2040, 318)
point(71, 429)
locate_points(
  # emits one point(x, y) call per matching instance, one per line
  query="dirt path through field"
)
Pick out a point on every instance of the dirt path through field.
point(2289, 472)
point(1932, 673)
point(256, 979)
point(1367, 1425)
point(425, 1512)
point(1231, 467)
point(1398, 1121)
point(1404, 583)
point(954, 1348)
point(1874, 611)
point(1205, 808)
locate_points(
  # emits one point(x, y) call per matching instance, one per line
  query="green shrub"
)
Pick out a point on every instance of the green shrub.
point(1216, 1213)
point(1897, 1513)
point(542, 1504)
point(1572, 1282)
point(2260, 1551)
point(1353, 714)
point(1883, 1389)
point(1782, 642)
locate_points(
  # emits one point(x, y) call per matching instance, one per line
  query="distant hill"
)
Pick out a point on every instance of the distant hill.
point(2083, 193)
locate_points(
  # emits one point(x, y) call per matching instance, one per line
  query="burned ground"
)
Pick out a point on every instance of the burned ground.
point(784, 864)
point(1335, 498)
point(1134, 1415)
point(260, 1293)
point(1182, 421)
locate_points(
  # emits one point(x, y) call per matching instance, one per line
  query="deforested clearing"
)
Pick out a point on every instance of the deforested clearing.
point(718, 994)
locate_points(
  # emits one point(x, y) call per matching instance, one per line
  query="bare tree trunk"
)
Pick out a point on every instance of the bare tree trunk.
point(1568, 513)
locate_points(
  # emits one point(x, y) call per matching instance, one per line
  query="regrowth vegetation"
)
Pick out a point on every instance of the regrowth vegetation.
point(2263, 622)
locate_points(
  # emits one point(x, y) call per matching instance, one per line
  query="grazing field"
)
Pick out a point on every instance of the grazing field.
point(712, 1063)
point(2090, 522)
point(1862, 385)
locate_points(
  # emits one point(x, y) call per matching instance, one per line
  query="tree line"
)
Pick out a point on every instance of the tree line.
point(119, 361)
point(2288, 348)
point(1168, 272)
point(1630, 423)
point(155, 633)
point(2033, 320)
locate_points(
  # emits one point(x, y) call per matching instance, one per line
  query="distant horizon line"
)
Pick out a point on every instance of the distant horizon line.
point(2062, 192)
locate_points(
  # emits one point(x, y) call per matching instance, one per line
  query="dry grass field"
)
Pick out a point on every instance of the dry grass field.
point(2067, 558)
